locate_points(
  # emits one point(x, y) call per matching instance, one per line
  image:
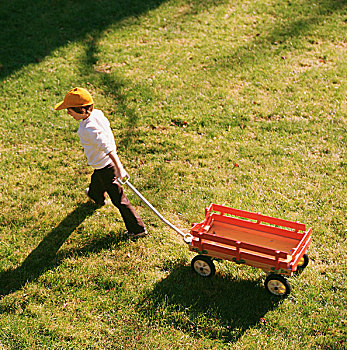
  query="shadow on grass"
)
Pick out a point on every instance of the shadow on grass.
point(217, 308)
point(125, 94)
point(290, 25)
point(95, 245)
point(31, 30)
point(113, 86)
point(285, 29)
point(44, 256)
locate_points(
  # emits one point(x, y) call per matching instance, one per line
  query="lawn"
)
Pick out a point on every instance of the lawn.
point(240, 103)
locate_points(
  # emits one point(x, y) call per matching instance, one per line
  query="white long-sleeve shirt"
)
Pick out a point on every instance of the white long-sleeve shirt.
point(97, 139)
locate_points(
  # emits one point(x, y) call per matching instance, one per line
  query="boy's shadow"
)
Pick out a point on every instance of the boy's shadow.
point(218, 308)
point(45, 256)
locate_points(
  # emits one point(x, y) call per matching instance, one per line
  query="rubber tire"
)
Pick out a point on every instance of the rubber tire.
point(305, 263)
point(277, 285)
point(203, 266)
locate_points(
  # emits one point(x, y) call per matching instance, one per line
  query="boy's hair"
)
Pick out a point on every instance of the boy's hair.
point(83, 110)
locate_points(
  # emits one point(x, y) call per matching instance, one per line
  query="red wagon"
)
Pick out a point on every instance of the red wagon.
point(277, 246)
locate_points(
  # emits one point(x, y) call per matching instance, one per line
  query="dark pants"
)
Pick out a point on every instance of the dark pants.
point(104, 181)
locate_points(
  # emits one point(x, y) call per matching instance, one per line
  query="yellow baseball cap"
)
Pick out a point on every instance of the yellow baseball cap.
point(77, 97)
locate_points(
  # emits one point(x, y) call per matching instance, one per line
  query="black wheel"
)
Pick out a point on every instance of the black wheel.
point(277, 285)
point(203, 266)
point(303, 262)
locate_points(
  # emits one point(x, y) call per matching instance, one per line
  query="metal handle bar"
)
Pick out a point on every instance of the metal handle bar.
point(186, 236)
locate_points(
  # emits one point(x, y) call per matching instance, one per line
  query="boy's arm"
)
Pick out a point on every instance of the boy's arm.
point(121, 173)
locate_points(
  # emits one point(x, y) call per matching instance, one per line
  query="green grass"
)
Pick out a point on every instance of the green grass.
point(241, 103)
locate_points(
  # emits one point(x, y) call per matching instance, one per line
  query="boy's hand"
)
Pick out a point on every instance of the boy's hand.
point(122, 173)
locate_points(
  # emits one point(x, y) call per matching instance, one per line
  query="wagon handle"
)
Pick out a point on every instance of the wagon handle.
point(187, 237)
point(122, 181)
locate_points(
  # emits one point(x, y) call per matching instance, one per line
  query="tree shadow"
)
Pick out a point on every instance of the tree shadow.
point(44, 256)
point(112, 86)
point(309, 15)
point(218, 308)
point(31, 30)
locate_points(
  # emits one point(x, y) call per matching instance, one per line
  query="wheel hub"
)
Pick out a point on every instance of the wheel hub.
point(202, 268)
point(276, 287)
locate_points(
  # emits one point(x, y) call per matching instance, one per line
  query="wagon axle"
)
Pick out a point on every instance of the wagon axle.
point(276, 284)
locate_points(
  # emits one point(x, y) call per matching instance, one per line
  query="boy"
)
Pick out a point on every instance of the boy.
point(100, 149)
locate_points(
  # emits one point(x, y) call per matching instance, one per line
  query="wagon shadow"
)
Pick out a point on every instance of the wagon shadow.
point(217, 308)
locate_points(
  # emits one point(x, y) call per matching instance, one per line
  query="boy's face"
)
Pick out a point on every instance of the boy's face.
point(76, 115)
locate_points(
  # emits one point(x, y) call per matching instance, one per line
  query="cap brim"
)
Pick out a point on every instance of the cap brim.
point(63, 105)
point(60, 105)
